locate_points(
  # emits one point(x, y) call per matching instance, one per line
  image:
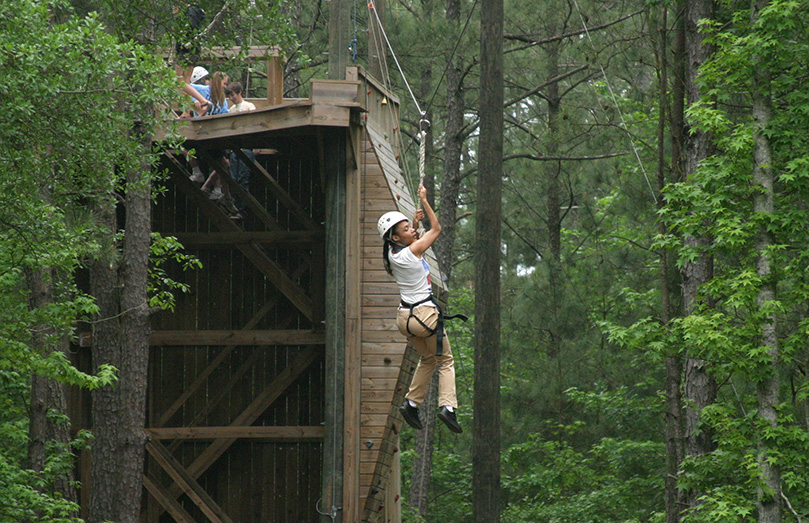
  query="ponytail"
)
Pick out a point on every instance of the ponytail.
point(386, 247)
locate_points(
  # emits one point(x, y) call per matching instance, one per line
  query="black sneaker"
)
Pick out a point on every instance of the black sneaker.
point(411, 415)
point(449, 419)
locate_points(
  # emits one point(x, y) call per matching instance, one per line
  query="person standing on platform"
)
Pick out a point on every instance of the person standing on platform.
point(239, 170)
point(420, 318)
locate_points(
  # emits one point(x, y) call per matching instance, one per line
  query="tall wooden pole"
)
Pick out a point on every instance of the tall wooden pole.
point(486, 437)
point(339, 38)
point(331, 502)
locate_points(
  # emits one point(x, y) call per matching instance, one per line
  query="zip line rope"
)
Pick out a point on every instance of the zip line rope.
point(423, 122)
point(379, 35)
point(617, 106)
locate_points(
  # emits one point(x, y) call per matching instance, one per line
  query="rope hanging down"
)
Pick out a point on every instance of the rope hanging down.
point(424, 124)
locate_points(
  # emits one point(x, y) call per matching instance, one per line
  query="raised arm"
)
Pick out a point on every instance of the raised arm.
point(422, 244)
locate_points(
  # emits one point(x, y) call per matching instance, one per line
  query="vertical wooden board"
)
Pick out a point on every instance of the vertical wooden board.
point(353, 350)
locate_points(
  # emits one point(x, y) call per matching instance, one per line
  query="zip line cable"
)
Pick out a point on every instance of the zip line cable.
point(423, 122)
point(377, 33)
point(615, 103)
point(396, 60)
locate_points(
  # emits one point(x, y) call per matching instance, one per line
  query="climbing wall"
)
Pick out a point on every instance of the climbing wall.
point(387, 362)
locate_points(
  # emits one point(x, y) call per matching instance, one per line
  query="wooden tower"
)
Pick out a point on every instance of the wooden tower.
point(275, 382)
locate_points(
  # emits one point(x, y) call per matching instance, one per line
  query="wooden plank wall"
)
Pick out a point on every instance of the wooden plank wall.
point(256, 479)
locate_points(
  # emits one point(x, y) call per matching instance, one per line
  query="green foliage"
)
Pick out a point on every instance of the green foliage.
point(615, 481)
point(161, 286)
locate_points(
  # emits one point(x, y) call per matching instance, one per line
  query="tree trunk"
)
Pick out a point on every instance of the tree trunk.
point(47, 395)
point(121, 338)
point(769, 486)
point(486, 437)
point(699, 388)
point(554, 215)
point(673, 406)
point(453, 147)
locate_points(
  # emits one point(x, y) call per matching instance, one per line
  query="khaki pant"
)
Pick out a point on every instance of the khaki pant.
point(425, 345)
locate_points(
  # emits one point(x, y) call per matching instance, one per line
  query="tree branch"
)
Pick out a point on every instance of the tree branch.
point(533, 42)
point(562, 158)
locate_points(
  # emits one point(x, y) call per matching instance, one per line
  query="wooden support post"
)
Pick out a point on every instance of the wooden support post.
point(275, 80)
point(353, 338)
point(332, 488)
point(339, 18)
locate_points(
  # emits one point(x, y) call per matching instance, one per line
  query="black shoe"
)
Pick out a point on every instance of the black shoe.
point(448, 417)
point(411, 415)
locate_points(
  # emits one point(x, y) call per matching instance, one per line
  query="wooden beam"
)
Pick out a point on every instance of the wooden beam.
point(262, 402)
point(353, 343)
point(202, 377)
point(223, 391)
point(275, 80)
point(290, 203)
point(274, 272)
point(220, 52)
point(333, 444)
point(264, 238)
point(334, 91)
point(167, 501)
point(276, 434)
point(185, 338)
point(189, 485)
point(224, 174)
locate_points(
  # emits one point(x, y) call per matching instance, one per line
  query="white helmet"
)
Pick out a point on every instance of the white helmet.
point(388, 220)
point(198, 74)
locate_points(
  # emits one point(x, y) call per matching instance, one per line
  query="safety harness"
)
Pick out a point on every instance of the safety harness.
point(438, 331)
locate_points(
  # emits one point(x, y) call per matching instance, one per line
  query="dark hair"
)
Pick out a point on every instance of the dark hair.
point(386, 247)
point(235, 87)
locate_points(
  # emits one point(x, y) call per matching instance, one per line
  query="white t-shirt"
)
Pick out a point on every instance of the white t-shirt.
point(412, 275)
point(244, 106)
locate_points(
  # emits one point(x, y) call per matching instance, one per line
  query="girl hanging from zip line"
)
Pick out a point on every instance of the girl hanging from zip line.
point(419, 317)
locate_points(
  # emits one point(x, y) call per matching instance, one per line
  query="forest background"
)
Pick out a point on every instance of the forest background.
point(654, 242)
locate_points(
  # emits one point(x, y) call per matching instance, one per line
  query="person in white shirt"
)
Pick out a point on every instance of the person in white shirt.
point(237, 102)
point(419, 315)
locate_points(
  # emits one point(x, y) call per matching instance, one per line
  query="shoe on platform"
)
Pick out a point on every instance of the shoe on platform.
point(449, 419)
point(411, 415)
